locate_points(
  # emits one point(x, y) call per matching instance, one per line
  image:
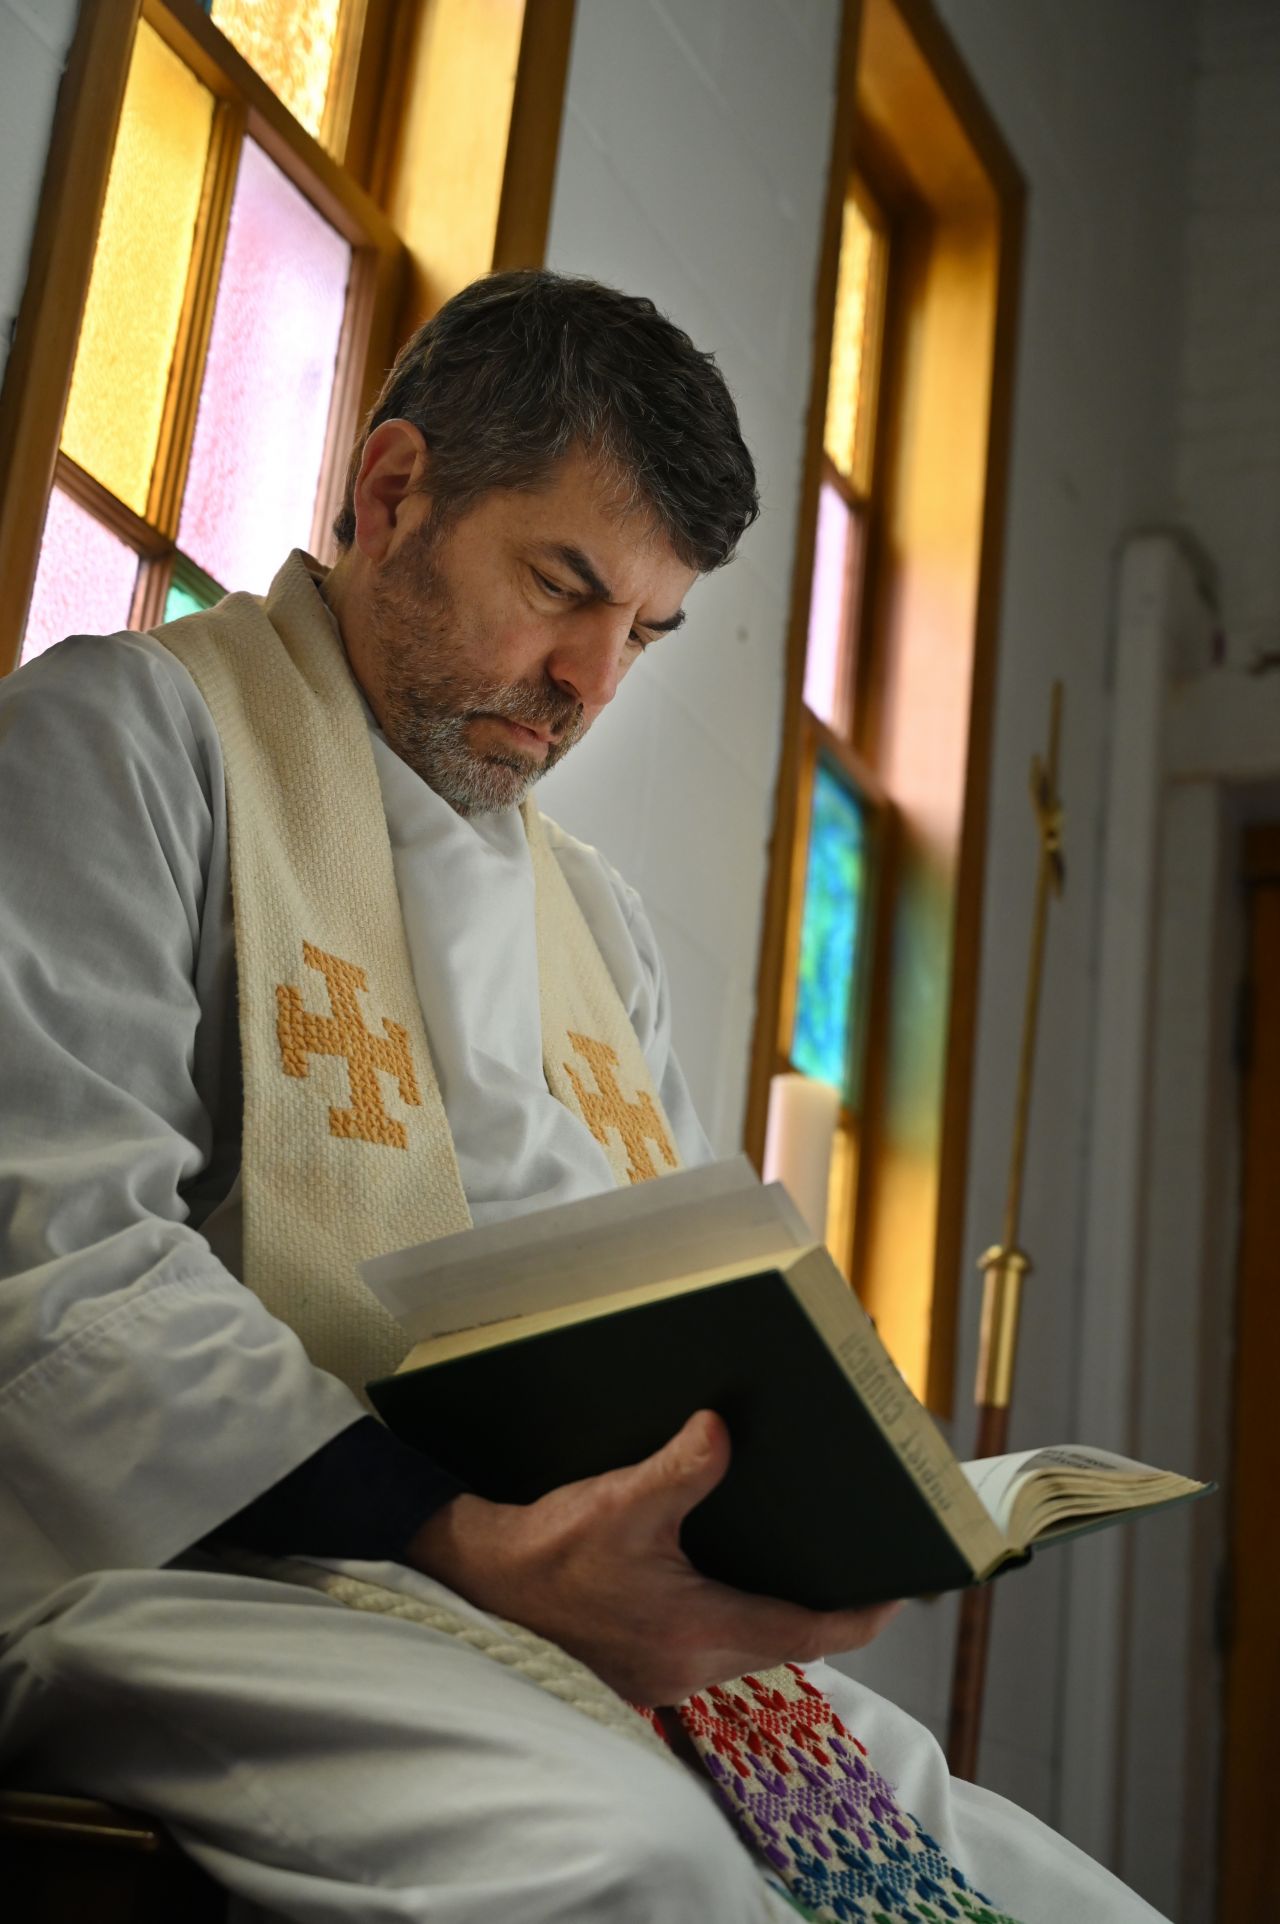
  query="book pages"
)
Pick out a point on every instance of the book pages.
point(1035, 1493)
point(696, 1219)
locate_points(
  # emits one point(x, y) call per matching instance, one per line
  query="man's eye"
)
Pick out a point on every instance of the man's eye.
point(639, 641)
point(550, 587)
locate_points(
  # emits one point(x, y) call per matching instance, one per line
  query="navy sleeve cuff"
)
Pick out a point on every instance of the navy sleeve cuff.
point(364, 1494)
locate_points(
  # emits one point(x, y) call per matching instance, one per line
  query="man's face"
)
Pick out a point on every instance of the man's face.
point(494, 642)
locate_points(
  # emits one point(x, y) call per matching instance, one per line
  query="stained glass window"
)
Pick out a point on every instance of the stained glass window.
point(290, 43)
point(248, 460)
point(836, 560)
point(831, 932)
point(85, 581)
point(186, 598)
point(264, 410)
point(135, 299)
point(855, 345)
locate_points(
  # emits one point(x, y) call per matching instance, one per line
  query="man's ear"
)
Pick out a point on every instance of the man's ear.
point(393, 471)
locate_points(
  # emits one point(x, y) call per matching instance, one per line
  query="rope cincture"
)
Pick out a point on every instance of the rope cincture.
point(823, 1825)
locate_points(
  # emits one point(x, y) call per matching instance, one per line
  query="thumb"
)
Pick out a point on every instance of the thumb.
point(686, 1469)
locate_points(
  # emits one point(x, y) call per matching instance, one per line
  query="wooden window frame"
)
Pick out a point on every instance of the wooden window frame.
point(842, 744)
point(38, 372)
point(884, 45)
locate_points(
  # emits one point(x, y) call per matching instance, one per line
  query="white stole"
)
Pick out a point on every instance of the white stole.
point(347, 1151)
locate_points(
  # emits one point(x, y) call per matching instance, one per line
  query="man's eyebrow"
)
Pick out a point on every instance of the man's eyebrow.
point(580, 565)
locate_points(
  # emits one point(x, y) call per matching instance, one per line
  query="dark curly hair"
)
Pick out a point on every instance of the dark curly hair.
point(521, 367)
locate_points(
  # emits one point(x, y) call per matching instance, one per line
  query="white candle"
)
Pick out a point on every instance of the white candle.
point(798, 1141)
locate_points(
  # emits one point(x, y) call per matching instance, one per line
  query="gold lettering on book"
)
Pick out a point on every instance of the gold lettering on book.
point(302, 1034)
point(930, 1480)
point(876, 1389)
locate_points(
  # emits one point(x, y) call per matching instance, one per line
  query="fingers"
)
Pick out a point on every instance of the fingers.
point(700, 1451)
point(851, 1629)
point(663, 1489)
point(749, 1632)
point(667, 1485)
point(599, 1568)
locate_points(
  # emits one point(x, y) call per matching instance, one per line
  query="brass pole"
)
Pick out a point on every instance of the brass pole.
point(1005, 1264)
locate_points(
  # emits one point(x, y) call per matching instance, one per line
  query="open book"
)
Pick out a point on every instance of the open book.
point(577, 1340)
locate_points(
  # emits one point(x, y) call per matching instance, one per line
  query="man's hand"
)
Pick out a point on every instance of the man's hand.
point(597, 1567)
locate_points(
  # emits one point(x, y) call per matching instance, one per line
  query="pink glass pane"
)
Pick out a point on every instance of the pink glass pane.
point(264, 407)
point(825, 677)
point(84, 580)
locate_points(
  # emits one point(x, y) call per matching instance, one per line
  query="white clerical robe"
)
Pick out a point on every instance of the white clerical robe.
point(322, 1764)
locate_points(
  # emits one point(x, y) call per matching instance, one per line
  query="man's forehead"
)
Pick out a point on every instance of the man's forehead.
point(585, 515)
point(581, 492)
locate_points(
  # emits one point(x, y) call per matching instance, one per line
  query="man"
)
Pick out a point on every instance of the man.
point(288, 975)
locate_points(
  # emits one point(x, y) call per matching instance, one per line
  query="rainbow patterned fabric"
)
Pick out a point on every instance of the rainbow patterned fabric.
point(825, 1828)
point(807, 1802)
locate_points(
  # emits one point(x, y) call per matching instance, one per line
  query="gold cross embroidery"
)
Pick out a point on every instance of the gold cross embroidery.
point(302, 1034)
point(605, 1107)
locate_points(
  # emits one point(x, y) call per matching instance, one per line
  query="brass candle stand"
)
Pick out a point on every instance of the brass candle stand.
point(1005, 1266)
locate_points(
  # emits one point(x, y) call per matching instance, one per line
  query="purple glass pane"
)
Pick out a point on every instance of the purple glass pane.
point(84, 580)
point(828, 609)
point(264, 407)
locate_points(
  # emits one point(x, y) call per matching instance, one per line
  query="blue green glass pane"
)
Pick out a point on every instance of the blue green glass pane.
point(835, 883)
point(182, 600)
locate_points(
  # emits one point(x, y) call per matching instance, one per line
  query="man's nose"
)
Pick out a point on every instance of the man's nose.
point(588, 664)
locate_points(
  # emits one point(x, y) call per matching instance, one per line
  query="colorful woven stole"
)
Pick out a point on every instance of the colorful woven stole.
point(807, 1801)
point(823, 1825)
point(347, 1150)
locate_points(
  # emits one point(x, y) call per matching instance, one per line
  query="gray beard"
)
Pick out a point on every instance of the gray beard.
point(429, 706)
point(435, 746)
point(428, 722)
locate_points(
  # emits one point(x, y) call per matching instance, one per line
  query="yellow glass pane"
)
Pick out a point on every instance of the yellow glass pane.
point(842, 1191)
point(855, 346)
point(291, 44)
point(139, 275)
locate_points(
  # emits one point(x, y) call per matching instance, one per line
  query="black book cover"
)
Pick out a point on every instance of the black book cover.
point(816, 1507)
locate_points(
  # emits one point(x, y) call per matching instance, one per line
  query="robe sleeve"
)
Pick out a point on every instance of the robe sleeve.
point(145, 1393)
point(364, 1494)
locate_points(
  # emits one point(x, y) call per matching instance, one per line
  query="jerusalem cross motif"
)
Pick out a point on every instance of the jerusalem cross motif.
point(606, 1107)
point(302, 1034)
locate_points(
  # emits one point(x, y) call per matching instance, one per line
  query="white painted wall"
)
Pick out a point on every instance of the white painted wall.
point(693, 168)
point(1228, 447)
point(1137, 1665)
point(1146, 394)
point(34, 37)
point(1095, 101)
point(1170, 1707)
point(710, 202)
point(1222, 769)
